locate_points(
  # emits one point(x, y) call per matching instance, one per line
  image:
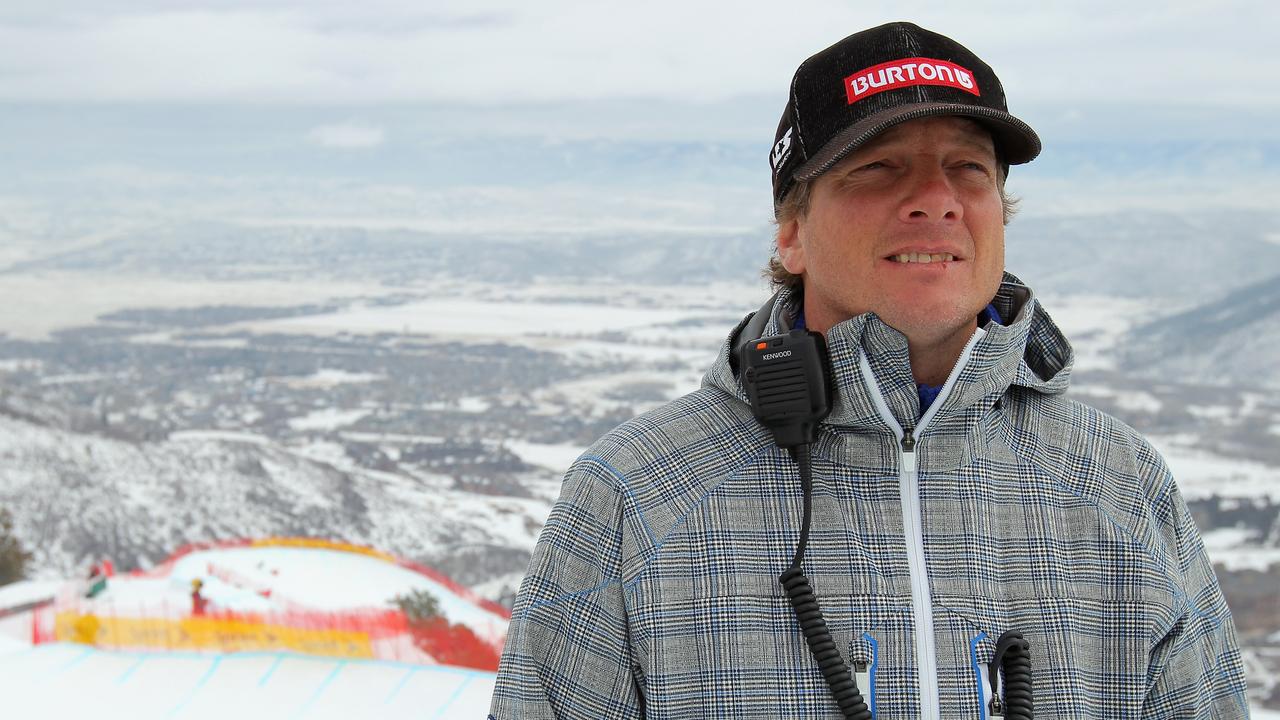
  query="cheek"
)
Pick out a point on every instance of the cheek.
point(995, 250)
point(818, 249)
point(993, 267)
point(986, 226)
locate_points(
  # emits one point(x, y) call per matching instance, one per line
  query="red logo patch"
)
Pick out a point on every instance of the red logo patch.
point(908, 72)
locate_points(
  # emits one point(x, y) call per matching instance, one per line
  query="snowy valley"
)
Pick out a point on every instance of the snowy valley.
point(423, 394)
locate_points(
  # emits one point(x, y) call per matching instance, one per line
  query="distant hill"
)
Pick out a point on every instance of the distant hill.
point(235, 252)
point(1232, 340)
point(1182, 258)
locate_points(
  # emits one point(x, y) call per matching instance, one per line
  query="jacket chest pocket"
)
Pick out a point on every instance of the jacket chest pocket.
point(1086, 659)
point(746, 656)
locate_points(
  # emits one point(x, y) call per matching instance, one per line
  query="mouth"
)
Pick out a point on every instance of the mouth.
point(918, 258)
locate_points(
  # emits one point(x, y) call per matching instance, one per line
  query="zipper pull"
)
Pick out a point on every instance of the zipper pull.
point(908, 451)
point(862, 676)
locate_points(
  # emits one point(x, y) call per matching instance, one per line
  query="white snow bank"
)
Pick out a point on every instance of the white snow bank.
point(555, 457)
point(27, 591)
point(328, 419)
point(219, 436)
point(329, 377)
point(72, 681)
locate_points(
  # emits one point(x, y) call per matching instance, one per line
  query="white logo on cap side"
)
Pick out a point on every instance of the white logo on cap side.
point(781, 150)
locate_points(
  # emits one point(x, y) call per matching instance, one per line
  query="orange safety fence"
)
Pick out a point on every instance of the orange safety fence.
point(369, 634)
point(386, 634)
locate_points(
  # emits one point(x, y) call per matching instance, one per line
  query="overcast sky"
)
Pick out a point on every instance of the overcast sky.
point(203, 99)
point(504, 51)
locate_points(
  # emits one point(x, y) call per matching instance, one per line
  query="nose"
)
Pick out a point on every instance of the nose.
point(930, 197)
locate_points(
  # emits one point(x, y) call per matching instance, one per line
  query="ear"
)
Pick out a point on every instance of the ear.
point(790, 247)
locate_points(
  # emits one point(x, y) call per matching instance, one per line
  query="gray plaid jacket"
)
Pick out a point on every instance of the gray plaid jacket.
point(653, 591)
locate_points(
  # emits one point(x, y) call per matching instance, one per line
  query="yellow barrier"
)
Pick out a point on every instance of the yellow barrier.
point(319, 543)
point(208, 633)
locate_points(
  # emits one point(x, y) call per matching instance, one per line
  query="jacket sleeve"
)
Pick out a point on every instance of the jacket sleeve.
point(1195, 670)
point(567, 653)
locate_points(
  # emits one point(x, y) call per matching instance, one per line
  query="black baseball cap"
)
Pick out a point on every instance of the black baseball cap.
point(877, 78)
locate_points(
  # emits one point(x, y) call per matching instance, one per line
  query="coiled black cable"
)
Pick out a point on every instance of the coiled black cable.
point(1013, 655)
point(805, 603)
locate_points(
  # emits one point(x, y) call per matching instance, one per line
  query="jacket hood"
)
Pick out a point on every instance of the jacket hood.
point(1029, 352)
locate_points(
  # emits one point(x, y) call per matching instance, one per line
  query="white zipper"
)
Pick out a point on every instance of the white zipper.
point(909, 491)
point(983, 679)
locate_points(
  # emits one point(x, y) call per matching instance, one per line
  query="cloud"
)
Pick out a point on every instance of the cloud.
point(500, 52)
point(347, 136)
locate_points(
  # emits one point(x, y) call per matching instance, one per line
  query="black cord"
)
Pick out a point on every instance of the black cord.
point(1013, 655)
point(800, 453)
point(805, 603)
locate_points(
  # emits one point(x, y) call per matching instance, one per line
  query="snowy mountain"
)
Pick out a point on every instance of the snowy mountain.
point(77, 498)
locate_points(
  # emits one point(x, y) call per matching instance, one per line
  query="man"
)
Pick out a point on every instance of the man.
point(956, 493)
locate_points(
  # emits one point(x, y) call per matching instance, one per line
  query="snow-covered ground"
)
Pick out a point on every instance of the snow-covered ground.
point(64, 680)
point(68, 682)
point(1201, 474)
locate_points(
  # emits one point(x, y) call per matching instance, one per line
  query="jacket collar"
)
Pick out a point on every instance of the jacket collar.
point(1029, 351)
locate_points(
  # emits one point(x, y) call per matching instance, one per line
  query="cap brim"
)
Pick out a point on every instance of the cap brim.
point(1015, 141)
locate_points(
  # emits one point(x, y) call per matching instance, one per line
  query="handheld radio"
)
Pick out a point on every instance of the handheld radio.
point(787, 379)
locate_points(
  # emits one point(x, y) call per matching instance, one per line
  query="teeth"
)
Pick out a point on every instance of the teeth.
point(924, 257)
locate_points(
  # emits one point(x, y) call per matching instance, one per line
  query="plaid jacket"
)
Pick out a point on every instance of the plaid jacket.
point(653, 591)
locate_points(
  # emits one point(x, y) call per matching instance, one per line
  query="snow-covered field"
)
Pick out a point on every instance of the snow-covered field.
point(38, 304)
point(470, 318)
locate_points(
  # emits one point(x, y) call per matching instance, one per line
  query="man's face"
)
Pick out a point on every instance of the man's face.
point(923, 188)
